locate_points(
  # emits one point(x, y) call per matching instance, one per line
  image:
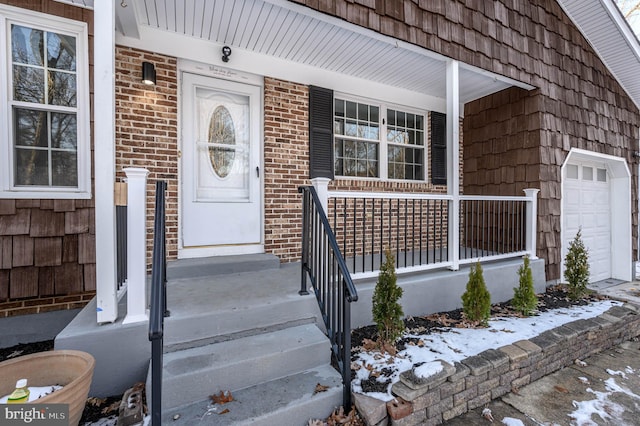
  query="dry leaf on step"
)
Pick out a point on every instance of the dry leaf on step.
point(320, 388)
point(316, 422)
point(561, 389)
point(225, 411)
point(222, 398)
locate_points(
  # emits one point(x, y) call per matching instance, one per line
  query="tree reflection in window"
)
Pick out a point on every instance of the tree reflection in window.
point(223, 138)
point(45, 136)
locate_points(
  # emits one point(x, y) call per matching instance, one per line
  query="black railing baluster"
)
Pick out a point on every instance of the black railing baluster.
point(373, 227)
point(381, 229)
point(353, 244)
point(364, 234)
point(421, 233)
point(413, 232)
point(397, 216)
point(406, 221)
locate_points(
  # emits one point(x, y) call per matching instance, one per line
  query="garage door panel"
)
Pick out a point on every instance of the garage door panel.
point(586, 206)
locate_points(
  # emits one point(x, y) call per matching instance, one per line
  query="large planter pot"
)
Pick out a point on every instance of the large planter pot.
point(71, 369)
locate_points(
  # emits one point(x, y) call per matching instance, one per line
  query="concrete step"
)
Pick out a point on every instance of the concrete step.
point(213, 309)
point(220, 265)
point(286, 401)
point(193, 374)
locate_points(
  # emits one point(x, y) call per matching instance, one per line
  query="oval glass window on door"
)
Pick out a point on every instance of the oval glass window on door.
point(222, 134)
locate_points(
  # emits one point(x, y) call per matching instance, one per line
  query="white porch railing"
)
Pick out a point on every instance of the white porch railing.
point(415, 227)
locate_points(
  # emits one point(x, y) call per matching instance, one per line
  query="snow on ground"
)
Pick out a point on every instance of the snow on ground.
point(510, 421)
point(602, 406)
point(457, 344)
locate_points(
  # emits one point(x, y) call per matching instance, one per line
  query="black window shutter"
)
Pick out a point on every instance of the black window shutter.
point(438, 148)
point(320, 132)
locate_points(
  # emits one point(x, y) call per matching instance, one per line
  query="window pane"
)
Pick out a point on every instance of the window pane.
point(339, 108)
point(602, 175)
point(572, 171)
point(351, 129)
point(375, 114)
point(64, 168)
point(391, 117)
point(64, 131)
point(61, 51)
point(338, 126)
point(587, 173)
point(30, 127)
point(363, 112)
point(28, 84)
point(62, 89)
point(351, 110)
point(32, 167)
point(27, 45)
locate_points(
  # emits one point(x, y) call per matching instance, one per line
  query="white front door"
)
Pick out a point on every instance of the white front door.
point(220, 167)
point(587, 206)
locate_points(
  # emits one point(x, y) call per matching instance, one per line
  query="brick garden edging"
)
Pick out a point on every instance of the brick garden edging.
point(481, 378)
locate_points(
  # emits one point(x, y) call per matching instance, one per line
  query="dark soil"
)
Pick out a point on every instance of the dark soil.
point(94, 410)
point(555, 297)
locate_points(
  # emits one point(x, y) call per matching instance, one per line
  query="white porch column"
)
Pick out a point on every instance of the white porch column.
point(136, 245)
point(322, 189)
point(532, 221)
point(104, 155)
point(453, 162)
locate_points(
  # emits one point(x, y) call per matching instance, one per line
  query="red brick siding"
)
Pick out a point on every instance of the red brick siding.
point(147, 131)
point(286, 165)
point(43, 260)
point(578, 102)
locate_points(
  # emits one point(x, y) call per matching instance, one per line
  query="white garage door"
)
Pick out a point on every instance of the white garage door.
point(586, 205)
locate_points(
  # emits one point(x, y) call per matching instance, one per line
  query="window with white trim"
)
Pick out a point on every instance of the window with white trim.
point(377, 141)
point(45, 104)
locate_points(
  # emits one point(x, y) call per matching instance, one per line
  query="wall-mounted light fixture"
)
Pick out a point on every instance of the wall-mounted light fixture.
point(226, 52)
point(148, 73)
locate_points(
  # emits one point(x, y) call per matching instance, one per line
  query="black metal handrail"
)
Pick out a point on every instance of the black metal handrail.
point(324, 265)
point(158, 308)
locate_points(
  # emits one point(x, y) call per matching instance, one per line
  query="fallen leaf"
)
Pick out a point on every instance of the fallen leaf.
point(316, 422)
point(111, 408)
point(225, 411)
point(369, 345)
point(580, 363)
point(95, 401)
point(486, 413)
point(320, 388)
point(222, 398)
point(561, 389)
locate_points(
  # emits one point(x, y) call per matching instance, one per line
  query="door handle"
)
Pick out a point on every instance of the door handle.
point(257, 171)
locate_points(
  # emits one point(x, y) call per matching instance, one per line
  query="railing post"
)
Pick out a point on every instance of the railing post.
point(322, 190)
point(532, 221)
point(136, 245)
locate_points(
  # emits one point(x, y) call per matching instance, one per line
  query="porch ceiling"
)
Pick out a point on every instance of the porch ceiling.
point(290, 32)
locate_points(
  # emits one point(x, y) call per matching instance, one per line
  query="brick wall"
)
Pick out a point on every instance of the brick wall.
point(578, 102)
point(147, 131)
point(286, 165)
point(47, 247)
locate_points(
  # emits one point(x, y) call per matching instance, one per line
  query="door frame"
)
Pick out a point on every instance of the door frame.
point(221, 73)
point(620, 185)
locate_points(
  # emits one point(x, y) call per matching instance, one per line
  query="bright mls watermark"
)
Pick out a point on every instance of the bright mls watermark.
point(34, 414)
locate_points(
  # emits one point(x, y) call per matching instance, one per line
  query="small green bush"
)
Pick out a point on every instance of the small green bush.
point(576, 265)
point(476, 300)
point(525, 300)
point(387, 312)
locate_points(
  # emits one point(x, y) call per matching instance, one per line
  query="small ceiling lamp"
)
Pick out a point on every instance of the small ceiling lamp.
point(148, 73)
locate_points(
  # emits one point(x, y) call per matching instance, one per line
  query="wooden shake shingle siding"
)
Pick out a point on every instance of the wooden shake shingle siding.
point(47, 247)
point(515, 139)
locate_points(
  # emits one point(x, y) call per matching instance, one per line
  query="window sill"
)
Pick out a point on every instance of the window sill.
point(45, 195)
